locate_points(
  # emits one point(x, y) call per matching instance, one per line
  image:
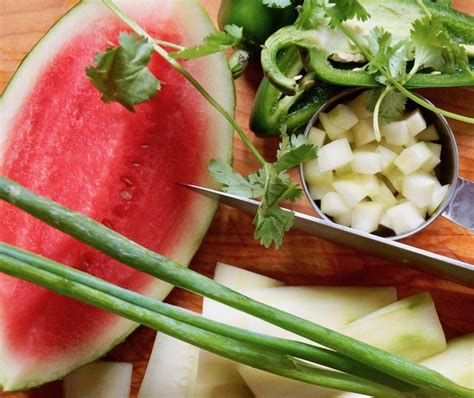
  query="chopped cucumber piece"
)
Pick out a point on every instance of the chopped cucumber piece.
point(350, 189)
point(387, 157)
point(344, 170)
point(358, 106)
point(395, 177)
point(411, 141)
point(396, 133)
point(347, 135)
point(363, 132)
point(429, 134)
point(365, 162)
point(456, 362)
point(334, 155)
point(99, 380)
point(405, 217)
point(385, 197)
point(366, 216)
point(415, 122)
point(333, 205)
point(409, 328)
point(385, 221)
point(419, 188)
point(411, 159)
point(438, 198)
point(371, 184)
point(313, 175)
point(332, 131)
point(435, 148)
point(317, 191)
point(343, 117)
point(344, 219)
point(316, 137)
point(171, 370)
point(394, 148)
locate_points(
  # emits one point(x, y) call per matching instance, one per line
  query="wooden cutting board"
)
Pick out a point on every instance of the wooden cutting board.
point(302, 260)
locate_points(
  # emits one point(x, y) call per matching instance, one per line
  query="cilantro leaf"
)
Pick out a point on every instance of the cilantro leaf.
point(271, 223)
point(392, 107)
point(276, 3)
point(293, 150)
point(233, 182)
point(312, 14)
point(230, 37)
point(349, 9)
point(435, 48)
point(121, 73)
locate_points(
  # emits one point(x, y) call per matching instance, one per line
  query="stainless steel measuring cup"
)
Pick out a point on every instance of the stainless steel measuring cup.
point(458, 204)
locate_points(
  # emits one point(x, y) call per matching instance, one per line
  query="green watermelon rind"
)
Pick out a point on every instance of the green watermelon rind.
point(11, 100)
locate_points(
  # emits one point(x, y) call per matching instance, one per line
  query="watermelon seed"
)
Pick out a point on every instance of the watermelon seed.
point(127, 180)
point(145, 146)
point(125, 195)
point(136, 164)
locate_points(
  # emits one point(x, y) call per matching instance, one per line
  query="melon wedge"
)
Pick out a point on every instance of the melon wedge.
point(121, 168)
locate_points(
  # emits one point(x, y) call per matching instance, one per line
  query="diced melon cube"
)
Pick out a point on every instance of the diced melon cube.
point(363, 132)
point(385, 221)
point(358, 106)
point(419, 188)
point(372, 147)
point(438, 198)
point(316, 137)
point(344, 219)
point(365, 162)
point(334, 155)
point(387, 157)
point(385, 197)
point(411, 159)
point(428, 134)
point(411, 141)
point(371, 184)
point(313, 175)
point(395, 177)
point(366, 216)
point(434, 159)
point(396, 133)
point(332, 131)
point(404, 217)
point(343, 117)
point(344, 170)
point(394, 148)
point(350, 189)
point(348, 135)
point(333, 205)
point(416, 122)
point(317, 191)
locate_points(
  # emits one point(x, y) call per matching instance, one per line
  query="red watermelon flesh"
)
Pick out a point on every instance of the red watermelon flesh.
point(120, 168)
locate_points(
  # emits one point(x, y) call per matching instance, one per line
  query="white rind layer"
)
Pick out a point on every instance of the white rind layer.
point(215, 77)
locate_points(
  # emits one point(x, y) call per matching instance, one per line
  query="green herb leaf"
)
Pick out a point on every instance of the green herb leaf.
point(348, 9)
point(121, 73)
point(230, 37)
point(392, 107)
point(293, 150)
point(435, 48)
point(312, 14)
point(276, 3)
point(271, 223)
point(233, 182)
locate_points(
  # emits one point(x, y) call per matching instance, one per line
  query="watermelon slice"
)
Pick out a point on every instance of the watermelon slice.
point(121, 168)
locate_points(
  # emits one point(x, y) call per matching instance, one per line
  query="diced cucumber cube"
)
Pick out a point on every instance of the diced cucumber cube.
point(344, 219)
point(412, 141)
point(343, 117)
point(405, 217)
point(366, 216)
point(333, 205)
point(435, 148)
point(396, 133)
point(363, 132)
point(350, 189)
point(411, 159)
point(438, 198)
point(332, 131)
point(411, 328)
point(394, 148)
point(348, 135)
point(372, 147)
point(365, 162)
point(358, 106)
point(416, 122)
point(313, 175)
point(371, 184)
point(334, 155)
point(428, 134)
point(387, 157)
point(344, 170)
point(316, 137)
point(385, 221)
point(419, 188)
point(395, 177)
point(434, 159)
point(385, 197)
point(317, 191)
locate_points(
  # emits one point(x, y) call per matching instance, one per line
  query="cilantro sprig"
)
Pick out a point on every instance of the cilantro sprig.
point(276, 3)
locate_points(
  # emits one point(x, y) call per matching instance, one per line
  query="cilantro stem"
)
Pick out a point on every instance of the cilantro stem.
point(394, 82)
point(169, 44)
point(175, 64)
point(375, 119)
point(424, 8)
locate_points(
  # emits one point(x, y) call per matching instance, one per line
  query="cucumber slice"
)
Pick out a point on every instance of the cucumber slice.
point(396, 133)
point(409, 328)
point(334, 155)
point(343, 117)
point(241, 279)
point(99, 380)
point(366, 216)
point(171, 370)
point(371, 184)
point(365, 162)
point(395, 177)
point(313, 174)
point(415, 122)
point(350, 189)
point(456, 362)
point(332, 131)
point(333, 205)
point(412, 158)
point(363, 132)
point(387, 157)
point(404, 217)
point(419, 188)
point(316, 137)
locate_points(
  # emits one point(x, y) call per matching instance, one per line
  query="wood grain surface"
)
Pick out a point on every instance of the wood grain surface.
point(302, 260)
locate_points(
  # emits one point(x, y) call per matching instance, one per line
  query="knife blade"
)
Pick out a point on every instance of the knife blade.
point(413, 257)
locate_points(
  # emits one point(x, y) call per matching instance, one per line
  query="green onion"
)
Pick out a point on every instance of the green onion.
point(122, 249)
point(65, 281)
